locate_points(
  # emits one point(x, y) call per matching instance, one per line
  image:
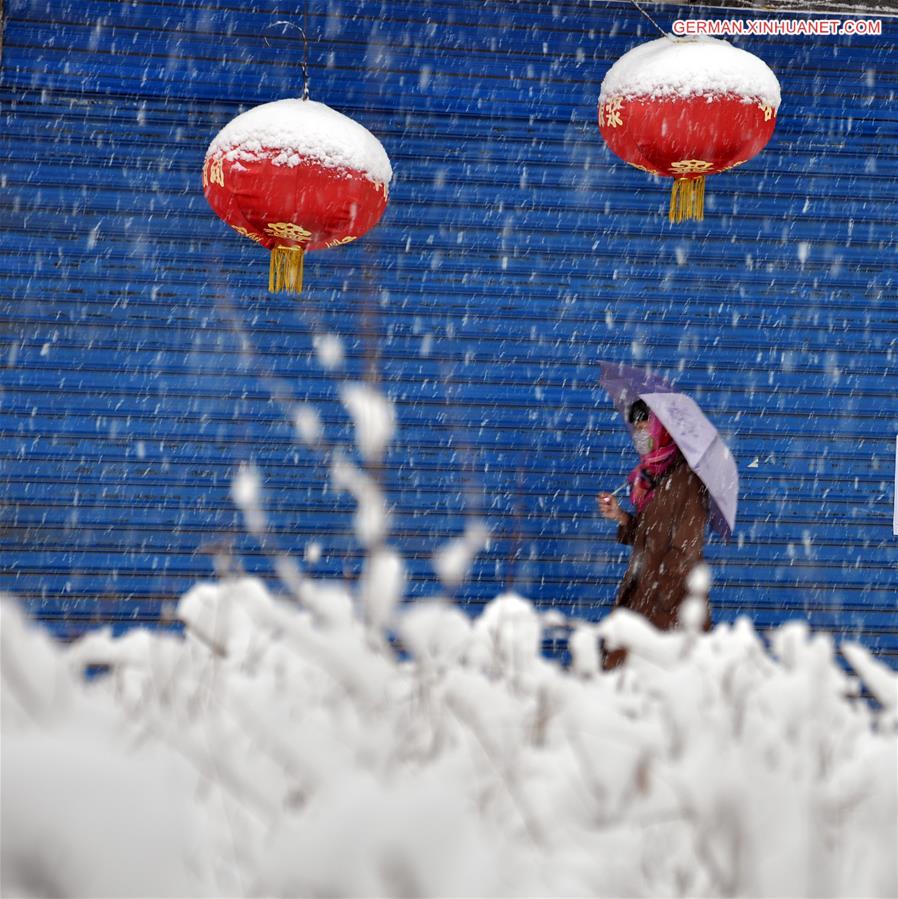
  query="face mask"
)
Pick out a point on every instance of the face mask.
point(643, 443)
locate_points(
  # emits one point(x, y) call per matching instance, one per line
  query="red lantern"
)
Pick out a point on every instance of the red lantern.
point(296, 175)
point(686, 109)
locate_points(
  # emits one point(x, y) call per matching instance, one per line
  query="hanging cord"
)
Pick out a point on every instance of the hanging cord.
point(305, 47)
point(660, 29)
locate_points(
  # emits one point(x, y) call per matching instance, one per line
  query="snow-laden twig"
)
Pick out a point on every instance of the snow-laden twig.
point(881, 681)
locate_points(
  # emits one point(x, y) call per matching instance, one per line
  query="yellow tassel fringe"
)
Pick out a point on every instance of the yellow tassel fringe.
point(285, 270)
point(687, 199)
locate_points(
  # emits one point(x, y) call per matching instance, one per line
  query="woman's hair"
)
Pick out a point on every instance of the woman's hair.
point(638, 412)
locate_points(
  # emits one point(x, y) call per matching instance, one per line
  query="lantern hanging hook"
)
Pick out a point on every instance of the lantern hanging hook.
point(652, 20)
point(305, 50)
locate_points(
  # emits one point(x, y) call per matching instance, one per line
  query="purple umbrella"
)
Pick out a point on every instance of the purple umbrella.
point(704, 450)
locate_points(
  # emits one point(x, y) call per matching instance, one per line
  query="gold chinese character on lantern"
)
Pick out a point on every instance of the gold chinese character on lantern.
point(691, 166)
point(213, 172)
point(241, 230)
point(288, 231)
point(610, 113)
point(767, 109)
point(337, 243)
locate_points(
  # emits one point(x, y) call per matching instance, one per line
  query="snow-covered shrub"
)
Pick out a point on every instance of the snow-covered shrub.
point(279, 748)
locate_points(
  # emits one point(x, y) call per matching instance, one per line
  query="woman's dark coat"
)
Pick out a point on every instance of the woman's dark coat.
point(668, 539)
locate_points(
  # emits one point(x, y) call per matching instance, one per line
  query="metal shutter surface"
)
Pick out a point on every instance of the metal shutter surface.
point(516, 251)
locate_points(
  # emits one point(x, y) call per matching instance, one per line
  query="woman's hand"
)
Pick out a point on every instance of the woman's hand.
point(610, 508)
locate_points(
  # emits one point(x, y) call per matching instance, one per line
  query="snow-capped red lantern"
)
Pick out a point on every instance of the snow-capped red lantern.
point(686, 108)
point(296, 175)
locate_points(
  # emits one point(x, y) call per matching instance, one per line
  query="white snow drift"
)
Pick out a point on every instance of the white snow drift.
point(282, 747)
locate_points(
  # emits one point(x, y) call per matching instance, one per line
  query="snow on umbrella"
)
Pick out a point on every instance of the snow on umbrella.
point(295, 175)
point(699, 442)
point(685, 108)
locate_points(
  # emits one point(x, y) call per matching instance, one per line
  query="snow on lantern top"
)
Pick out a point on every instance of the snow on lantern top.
point(303, 129)
point(687, 67)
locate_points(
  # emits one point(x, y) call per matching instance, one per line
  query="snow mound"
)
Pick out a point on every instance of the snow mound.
point(686, 67)
point(282, 746)
point(303, 129)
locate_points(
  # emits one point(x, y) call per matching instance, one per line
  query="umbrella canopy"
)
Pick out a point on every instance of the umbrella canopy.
point(626, 384)
point(699, 442)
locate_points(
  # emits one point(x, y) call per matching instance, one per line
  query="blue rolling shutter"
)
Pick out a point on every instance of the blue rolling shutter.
point(515, 253)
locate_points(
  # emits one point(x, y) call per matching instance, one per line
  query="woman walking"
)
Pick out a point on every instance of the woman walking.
point(667, 531)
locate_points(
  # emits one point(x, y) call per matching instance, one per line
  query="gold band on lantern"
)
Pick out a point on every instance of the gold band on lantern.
point(687, 200)
point(285, 270)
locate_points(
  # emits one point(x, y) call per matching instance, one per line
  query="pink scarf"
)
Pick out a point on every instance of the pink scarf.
point(652, 465)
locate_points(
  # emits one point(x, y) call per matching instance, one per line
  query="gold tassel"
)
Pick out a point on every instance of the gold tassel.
point(285, 270)
point(687, 199)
